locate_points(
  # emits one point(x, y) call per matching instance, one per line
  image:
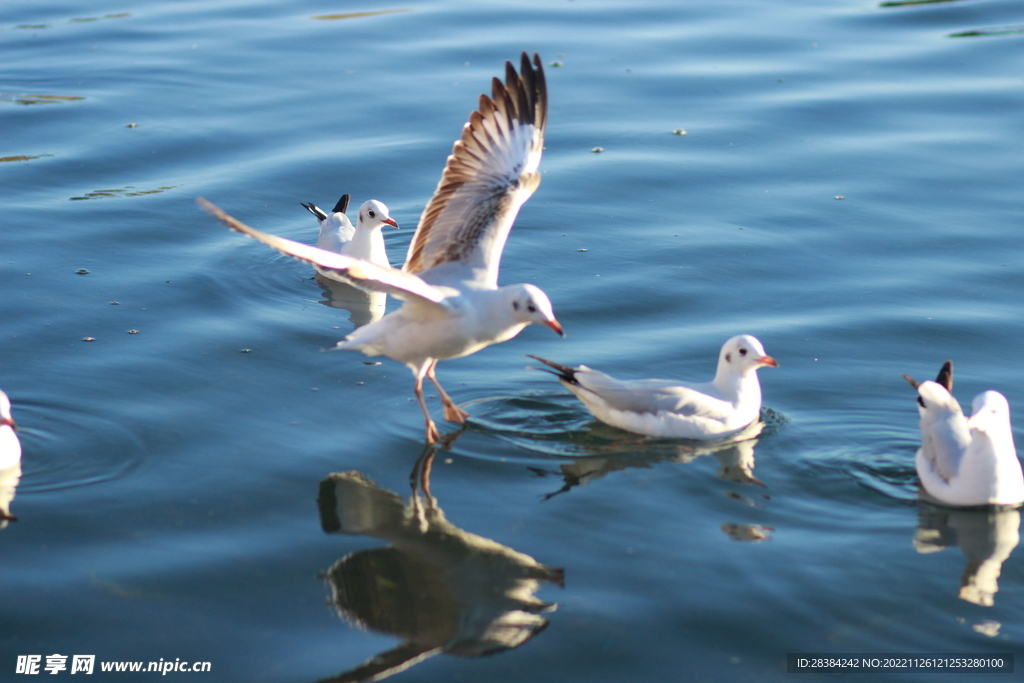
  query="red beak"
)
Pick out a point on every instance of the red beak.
point(9, 422)
point(391, 222)
point(553, 324)
point(769, 361)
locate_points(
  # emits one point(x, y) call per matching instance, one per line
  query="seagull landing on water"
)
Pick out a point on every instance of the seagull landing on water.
point(453, 305)
point(364, 241)
point(673, 409)
point(966, 461)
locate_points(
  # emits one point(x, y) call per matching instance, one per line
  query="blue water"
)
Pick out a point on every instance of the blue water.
point(847, 189)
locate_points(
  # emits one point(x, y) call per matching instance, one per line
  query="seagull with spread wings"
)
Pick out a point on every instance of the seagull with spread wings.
point(453, 305)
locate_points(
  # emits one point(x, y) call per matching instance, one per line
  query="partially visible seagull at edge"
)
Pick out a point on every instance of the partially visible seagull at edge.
point(966, 462)
point(10, 461)
point(669, 408)
point(365, 240)
point(453, 306)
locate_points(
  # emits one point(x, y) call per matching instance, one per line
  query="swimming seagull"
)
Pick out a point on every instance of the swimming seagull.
point(966, 461)
point(10, 461)
point(669, 408)
point(363, 241)
point(453, 305)
point(10, 447)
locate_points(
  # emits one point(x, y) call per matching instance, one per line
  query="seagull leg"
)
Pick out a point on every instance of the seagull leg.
point(419, 478)
point(452, 412)
point(433, 436)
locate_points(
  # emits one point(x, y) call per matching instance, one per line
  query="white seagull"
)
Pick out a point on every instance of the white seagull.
point(10, 447)
point(966, 461)
point(673, 409)
point(453, 305)
point(365, 240)
point(10, 461)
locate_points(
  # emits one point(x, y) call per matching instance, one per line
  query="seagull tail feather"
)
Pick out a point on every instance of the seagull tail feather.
point(563, 371)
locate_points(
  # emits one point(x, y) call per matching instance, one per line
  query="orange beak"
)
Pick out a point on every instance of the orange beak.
point(553, 324)
point(9, 422)
point(769, 361)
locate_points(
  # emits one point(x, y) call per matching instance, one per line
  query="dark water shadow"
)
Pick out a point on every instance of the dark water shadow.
point(909, 3)
point(439, 588)
point(986, 32)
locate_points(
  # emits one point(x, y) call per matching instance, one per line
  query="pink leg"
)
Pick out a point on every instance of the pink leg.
point(452, 412)
point(433, 436)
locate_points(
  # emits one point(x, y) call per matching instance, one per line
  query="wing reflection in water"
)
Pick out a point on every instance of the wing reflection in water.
point(986, 537)
point(439, 588)
point(735, 455)
point(9, 477)
point(365, 307)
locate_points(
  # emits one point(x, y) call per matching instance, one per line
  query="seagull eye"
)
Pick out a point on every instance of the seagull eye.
point(531, 308)
point(372, 214)
point(743, 352)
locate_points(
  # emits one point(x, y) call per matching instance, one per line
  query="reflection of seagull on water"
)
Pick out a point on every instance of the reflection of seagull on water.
point(453, 305)
point(10, 460)
point(961, 461)
point(441, 589)
point(365, 240)
point(669, 408)
point(985, 536)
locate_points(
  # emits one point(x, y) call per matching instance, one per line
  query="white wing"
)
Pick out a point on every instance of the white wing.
point(363, 274)
point(652, 396)
point(944, 432)
point(491, 171)
point(642, 395)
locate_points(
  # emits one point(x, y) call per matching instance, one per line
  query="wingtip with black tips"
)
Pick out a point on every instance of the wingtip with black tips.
point(315, 210)
point(342, 205)
point(564, 371)
point(945, 377)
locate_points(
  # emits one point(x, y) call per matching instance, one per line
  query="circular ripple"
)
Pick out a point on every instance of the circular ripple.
point(65, 447)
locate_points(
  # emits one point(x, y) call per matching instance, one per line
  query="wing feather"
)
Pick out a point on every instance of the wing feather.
point(363, 274)
point(491, 171)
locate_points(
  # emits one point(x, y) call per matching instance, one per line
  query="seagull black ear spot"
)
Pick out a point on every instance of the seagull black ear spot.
point(728, 358)
point(921, 401)
point(515, 305)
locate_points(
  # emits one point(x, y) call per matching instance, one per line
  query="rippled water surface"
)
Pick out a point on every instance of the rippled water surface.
point(201, 482)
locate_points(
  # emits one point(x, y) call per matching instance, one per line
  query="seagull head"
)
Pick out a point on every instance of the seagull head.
point(989, 411)
point(744, 354)
point(531, 305)
point(374, 215)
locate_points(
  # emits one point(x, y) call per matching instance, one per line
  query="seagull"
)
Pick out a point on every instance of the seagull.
point(363, 241)
point(672, 409)
point(966, 461)
point(10, 461)
point(453, 306)
point(10, 447)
